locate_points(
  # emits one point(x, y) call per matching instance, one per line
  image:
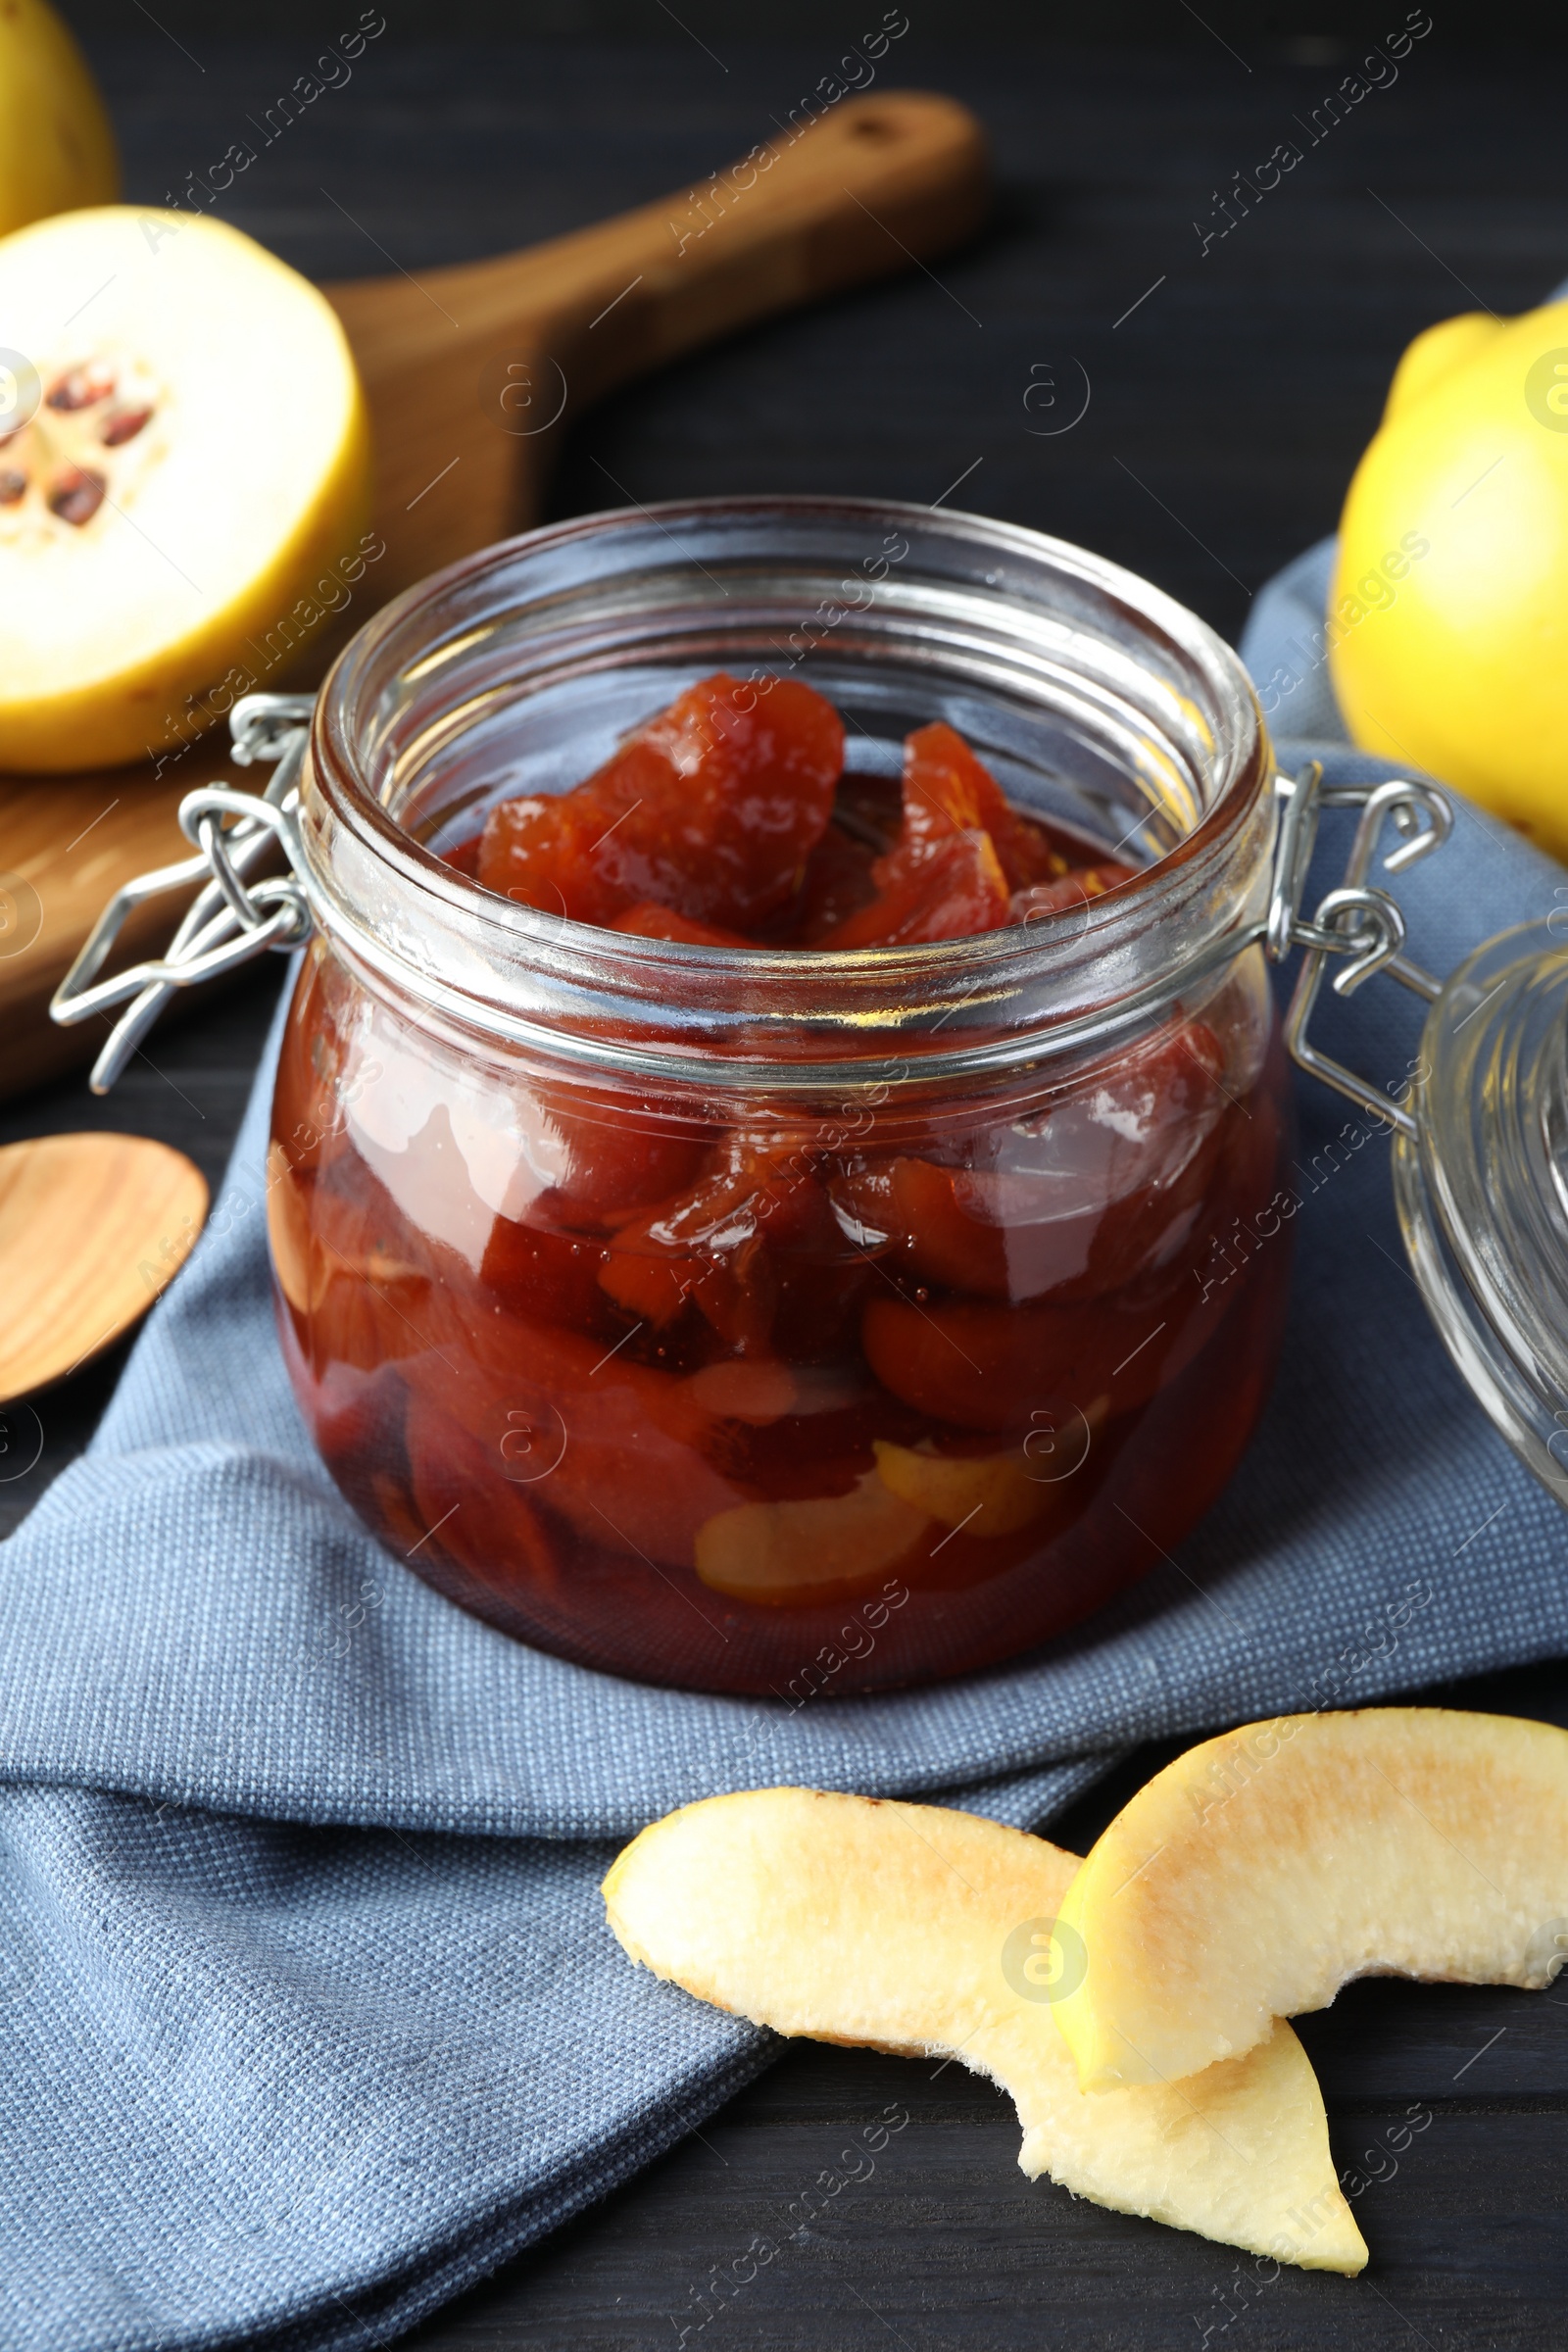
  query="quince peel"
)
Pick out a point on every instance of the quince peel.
point(1446, 624)
point(1261, 1871)
point(57, 150)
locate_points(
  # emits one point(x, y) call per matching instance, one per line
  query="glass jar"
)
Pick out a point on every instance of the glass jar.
point(760, 1321)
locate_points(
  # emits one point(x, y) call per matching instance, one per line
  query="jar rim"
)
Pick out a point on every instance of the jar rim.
point(374, 887)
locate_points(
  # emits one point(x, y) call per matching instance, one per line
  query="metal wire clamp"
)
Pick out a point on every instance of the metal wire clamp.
point(1357, 921)
point(231, 919)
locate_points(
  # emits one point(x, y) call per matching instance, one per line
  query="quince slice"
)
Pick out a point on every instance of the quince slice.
point(820, 1547)
point(184, 481)
point(984, 1494)
point(919, 1930)
point(1261, 1871)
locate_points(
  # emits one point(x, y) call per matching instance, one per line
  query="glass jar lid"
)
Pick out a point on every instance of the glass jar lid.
point(1480, 1157)
point(1482, 1186)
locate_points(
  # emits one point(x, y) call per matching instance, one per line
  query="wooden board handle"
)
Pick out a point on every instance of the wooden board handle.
point(474, 369)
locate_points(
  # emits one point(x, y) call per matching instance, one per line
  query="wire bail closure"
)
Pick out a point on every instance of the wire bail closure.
point(231, 919)
point(1357, 921)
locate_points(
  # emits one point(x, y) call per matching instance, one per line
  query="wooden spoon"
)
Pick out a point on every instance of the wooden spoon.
point(473, 375)
point(91, 1229)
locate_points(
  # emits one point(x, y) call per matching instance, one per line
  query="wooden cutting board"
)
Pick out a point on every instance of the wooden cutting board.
point(472, 375)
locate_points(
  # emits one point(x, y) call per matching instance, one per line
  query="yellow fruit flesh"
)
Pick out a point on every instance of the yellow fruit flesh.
point(781, 1554)
point(1261, 1871)
point(232, 527)
point(57, 150)
point(166, 698)
point(824, 1547)
point(986, 1493)
point(1454, 657)
point(911, 1927)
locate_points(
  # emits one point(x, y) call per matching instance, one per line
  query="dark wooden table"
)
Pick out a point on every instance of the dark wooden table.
point(1231, 389)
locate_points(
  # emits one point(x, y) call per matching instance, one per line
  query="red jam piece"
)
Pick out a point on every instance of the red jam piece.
point(611, 1447)
point(951, 890)
point(620, 1155)
point(838, 882)
point(1095, 1192)
point(1076, 887)
point(711, 809)
point(1106, 1185)
point(648, 920)
point(948, 789)
point(962, 858)
point(535, 1270)
point(723, 1248)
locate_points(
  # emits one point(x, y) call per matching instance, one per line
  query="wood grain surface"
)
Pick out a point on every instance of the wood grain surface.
point(1226, 413)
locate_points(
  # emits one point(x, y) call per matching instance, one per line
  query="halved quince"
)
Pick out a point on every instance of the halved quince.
point(56, 147)
point(1261, 1871)
point(184, 478)
point(915, 1928)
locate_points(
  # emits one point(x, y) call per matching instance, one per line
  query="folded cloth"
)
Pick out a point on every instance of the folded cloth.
point(310, 2012)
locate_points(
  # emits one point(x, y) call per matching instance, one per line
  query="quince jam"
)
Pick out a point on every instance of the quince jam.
point(741, 1397)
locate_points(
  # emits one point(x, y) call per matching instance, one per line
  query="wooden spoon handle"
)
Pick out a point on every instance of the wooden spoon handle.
point(473, 370)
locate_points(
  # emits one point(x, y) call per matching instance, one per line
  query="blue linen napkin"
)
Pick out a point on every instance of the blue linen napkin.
point(311, 2015)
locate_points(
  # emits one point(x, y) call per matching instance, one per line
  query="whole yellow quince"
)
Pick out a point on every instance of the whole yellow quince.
point(57, 150)
point(1448, 624)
